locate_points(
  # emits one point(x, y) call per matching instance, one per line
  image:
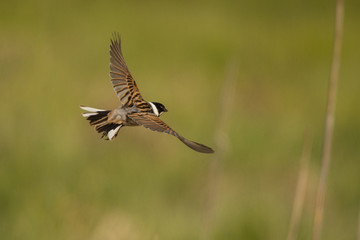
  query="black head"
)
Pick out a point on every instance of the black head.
point(159, 108)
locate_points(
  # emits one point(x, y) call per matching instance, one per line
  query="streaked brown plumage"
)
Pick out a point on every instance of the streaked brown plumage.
point(133, 110)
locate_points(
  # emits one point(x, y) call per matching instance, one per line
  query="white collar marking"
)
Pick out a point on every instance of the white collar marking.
point(154, 109)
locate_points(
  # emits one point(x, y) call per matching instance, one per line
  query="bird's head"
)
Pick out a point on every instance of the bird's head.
point(158, 108)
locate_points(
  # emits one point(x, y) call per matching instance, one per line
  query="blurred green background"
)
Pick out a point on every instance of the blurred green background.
point(59, 180)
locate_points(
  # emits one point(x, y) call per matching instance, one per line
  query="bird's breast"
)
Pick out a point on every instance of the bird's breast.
point(121, 113)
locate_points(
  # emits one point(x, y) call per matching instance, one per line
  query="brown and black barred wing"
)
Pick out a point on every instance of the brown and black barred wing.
point(123, 83)
point(154, 123)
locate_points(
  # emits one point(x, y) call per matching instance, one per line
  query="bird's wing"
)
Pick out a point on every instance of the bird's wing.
point(154, 123)
point(123, 83)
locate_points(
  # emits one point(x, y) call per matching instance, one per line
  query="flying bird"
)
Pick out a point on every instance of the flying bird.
point(133, 109)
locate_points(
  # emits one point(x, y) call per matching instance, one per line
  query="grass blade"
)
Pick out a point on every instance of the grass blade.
point(329, 120)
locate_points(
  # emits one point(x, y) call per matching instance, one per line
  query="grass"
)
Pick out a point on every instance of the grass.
point(329, 120)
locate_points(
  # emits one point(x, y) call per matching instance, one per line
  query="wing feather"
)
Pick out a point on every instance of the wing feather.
point(154, 123)
point(123, 83)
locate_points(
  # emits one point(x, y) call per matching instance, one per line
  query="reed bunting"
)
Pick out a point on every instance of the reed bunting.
point(133, 109)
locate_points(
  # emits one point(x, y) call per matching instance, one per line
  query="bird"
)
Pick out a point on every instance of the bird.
point(133, 109)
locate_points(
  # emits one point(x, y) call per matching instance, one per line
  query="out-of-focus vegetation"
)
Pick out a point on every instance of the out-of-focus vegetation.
point(59, 180)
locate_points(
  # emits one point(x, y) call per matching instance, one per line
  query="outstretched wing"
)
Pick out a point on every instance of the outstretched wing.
point(154, 123)
point(123, 83)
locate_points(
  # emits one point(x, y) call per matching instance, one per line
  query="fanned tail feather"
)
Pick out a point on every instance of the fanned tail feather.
point(98, 118)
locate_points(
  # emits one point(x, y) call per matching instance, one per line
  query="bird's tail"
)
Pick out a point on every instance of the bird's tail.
point(99, 119)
